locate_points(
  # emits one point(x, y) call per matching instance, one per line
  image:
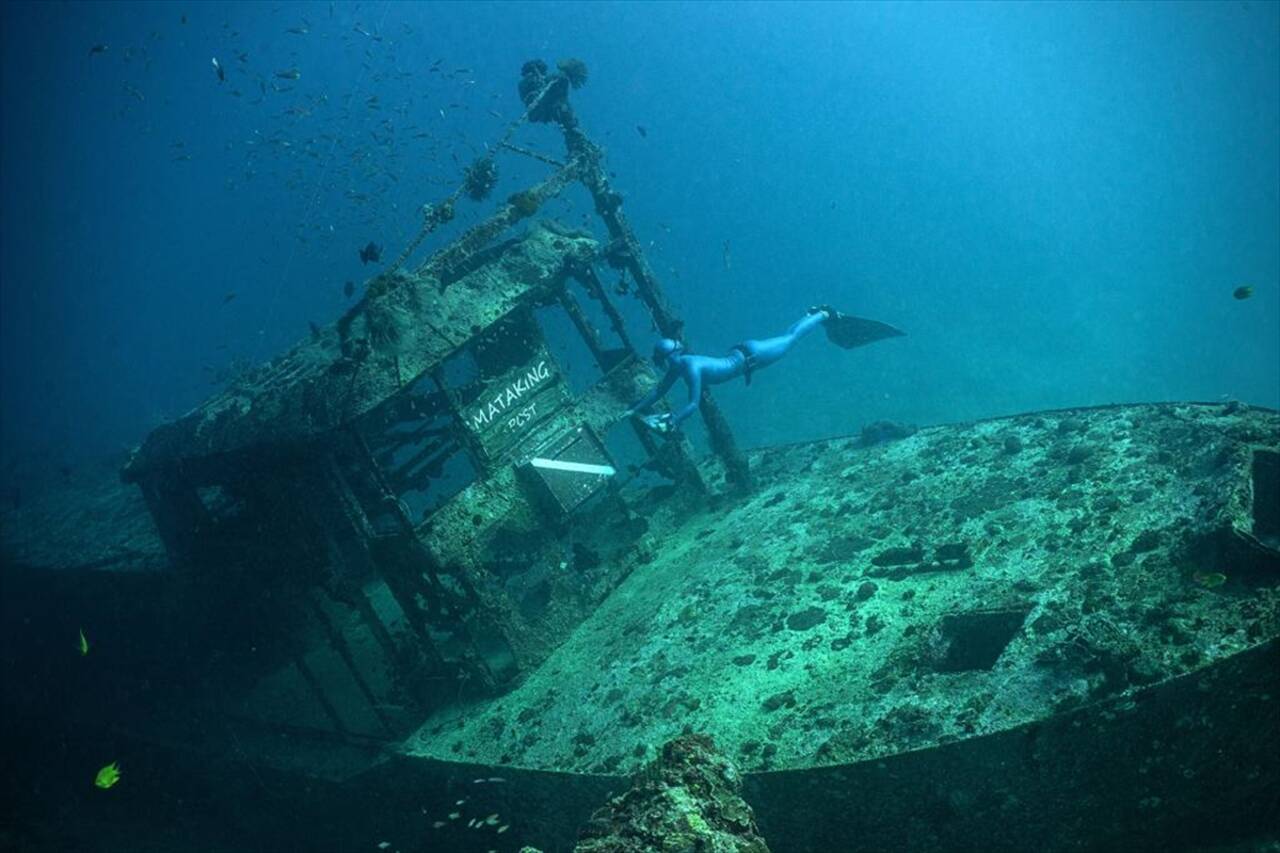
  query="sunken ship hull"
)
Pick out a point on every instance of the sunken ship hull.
point(392, 585)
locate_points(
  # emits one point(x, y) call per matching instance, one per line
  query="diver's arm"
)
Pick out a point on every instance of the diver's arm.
point(694, 381)
point(663, 386)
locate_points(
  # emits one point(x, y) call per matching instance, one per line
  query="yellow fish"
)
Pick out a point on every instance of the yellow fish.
point(1209, 580)
point(108, 776)
point(84, 644)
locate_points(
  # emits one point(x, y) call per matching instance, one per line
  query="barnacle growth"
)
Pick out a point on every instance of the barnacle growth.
point(525, 203)
point(383, 330)
point(481, 176)
point(574, 70)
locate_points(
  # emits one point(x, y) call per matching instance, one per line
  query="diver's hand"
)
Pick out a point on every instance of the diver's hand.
point(660, 423)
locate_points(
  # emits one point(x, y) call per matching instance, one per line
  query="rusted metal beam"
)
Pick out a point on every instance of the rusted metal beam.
point(589, 334)
point(520, 205)
point(591, 281)
point(625, 250)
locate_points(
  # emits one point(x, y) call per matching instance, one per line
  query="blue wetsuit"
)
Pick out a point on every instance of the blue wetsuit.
point(743, 360)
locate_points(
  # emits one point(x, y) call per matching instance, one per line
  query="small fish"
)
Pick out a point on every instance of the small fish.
point(383, 845)
point(1243, 292)
point(289, 74)
point(640, 130)
point(371, 253)
point(1209, 580)
point(728, 260)
point(492, 820)
point(98, 48)
point(454, 815)
point(219, 70)
point(348, 288)
point(108, 776)
point(298, 31)
point(231, 294)
point(84, 644)
point(436, 824)
point(460, 802)
point(504, 828)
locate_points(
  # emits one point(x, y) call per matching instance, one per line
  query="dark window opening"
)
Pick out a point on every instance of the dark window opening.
point(413, 440)
point(568, 348)
point(362, 479)
point(507, 345)
point(962, 642)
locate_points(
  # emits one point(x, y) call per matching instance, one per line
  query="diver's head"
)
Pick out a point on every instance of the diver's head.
point(666, 349)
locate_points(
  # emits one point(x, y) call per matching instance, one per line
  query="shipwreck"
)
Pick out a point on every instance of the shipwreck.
point(398, 566)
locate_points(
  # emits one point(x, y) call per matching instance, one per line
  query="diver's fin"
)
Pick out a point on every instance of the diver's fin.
point(847, 331)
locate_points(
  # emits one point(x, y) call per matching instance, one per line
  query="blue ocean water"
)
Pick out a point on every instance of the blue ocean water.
point(1062, 204)
point(1056, 201)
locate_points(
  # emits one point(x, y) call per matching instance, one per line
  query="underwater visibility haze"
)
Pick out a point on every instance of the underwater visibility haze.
point(634, 426)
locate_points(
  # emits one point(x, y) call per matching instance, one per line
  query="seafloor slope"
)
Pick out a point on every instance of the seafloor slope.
point(872, 600)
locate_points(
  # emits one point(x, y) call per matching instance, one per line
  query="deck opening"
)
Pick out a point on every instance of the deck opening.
point(962, 642)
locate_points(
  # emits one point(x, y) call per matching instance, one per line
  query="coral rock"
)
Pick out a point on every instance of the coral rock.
point(689, 798)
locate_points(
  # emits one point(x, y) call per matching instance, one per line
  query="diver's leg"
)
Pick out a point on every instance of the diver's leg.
point(767, 351)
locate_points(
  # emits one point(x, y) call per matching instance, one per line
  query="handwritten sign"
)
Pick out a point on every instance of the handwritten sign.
point(513, 407)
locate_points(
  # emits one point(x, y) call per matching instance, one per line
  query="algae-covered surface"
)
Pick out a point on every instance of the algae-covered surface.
point(863, 601)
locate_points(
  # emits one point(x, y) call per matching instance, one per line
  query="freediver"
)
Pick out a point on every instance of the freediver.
point(744, 359)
